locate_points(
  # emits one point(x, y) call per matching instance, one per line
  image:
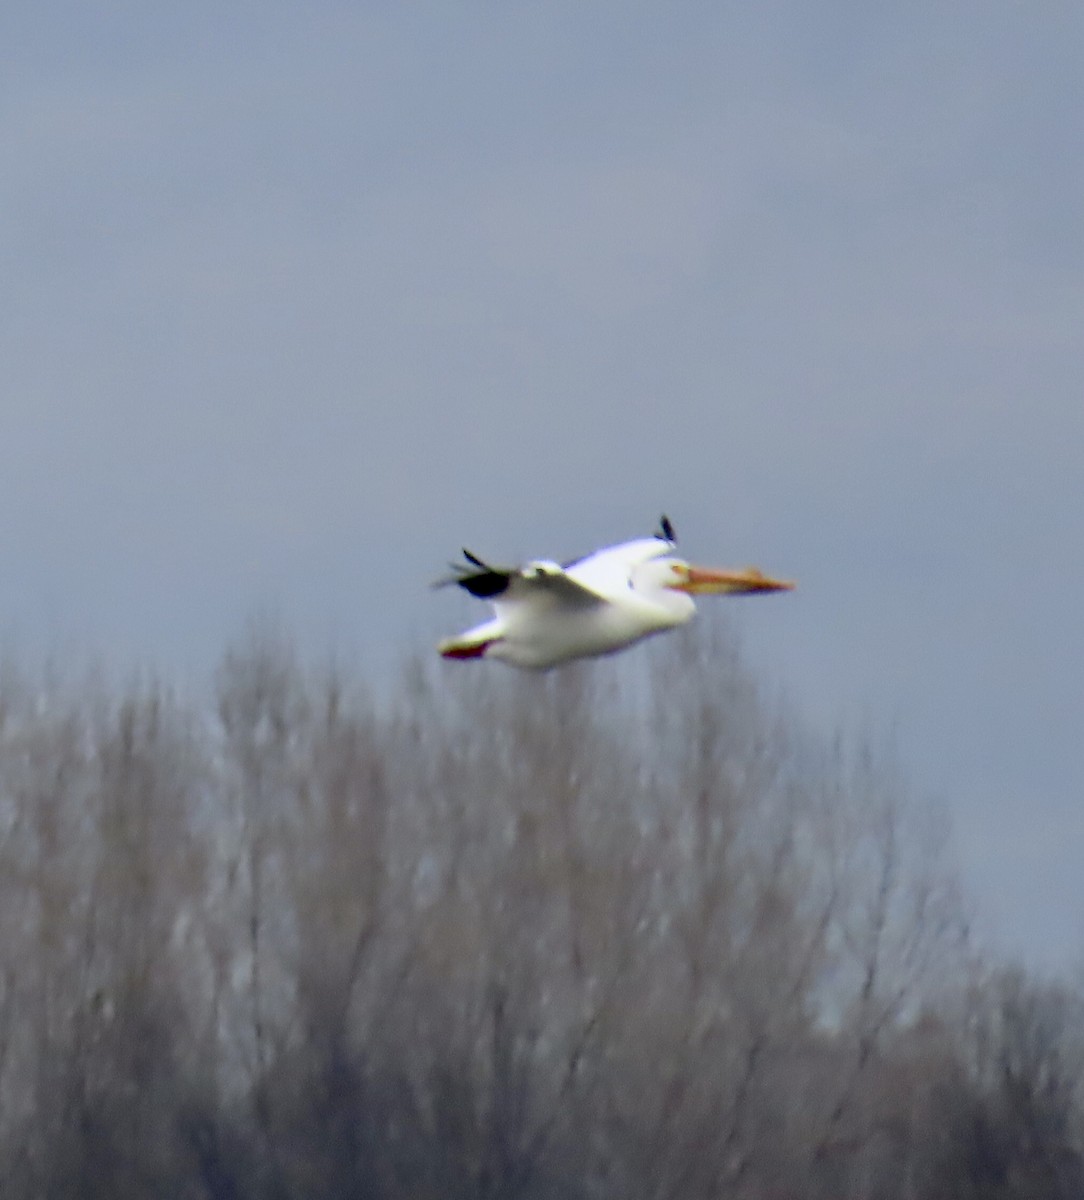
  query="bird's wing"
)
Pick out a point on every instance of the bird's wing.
point(537, 583)
point(664, 533)
point(548, 585)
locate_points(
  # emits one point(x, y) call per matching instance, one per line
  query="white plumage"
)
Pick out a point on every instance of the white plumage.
point(546, 613)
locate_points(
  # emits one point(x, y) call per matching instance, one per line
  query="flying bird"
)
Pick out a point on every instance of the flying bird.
point(547, 613)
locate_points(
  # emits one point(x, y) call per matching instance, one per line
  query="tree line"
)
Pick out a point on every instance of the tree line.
point(590, 934)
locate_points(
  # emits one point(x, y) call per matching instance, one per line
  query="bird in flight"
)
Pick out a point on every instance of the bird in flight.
point(547, 613)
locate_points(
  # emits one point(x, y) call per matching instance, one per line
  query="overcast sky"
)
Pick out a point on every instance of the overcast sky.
point(297, 299)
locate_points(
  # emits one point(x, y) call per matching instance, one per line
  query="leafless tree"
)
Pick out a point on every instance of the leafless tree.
point(625, 930)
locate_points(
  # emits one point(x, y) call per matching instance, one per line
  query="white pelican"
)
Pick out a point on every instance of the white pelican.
point(547, 613)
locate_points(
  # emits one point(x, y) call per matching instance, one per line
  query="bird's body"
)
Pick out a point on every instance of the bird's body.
point(546, 614)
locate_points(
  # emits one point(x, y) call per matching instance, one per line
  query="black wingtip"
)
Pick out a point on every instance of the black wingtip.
point(479, 578)
point(666, 529)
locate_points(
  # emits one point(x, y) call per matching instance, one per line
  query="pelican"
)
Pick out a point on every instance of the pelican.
point(547, 613)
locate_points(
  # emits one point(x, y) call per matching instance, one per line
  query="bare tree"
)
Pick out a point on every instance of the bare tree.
point(1009, 1118)
point(625, 929)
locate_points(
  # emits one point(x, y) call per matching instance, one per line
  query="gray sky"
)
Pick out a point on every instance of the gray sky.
point(300, 298)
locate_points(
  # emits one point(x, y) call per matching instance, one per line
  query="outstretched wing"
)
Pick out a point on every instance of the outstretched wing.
point(536, 583)
point(547, 584)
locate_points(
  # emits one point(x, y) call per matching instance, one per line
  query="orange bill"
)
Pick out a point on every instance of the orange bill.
point(707, 581)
